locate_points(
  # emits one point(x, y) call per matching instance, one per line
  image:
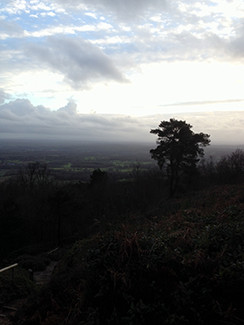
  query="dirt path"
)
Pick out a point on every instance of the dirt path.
point(43, 277)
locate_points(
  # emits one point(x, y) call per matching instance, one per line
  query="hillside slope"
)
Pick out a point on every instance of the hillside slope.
point(181, 267)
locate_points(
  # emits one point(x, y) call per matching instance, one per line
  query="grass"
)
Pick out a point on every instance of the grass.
point(67, 166)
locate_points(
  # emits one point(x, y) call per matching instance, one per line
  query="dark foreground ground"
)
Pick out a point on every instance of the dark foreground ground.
point(181, 266)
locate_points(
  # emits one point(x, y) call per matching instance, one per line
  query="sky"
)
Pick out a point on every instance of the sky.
point(111, 70)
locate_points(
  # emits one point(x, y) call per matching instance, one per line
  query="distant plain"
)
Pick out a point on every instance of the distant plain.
point(75, 160)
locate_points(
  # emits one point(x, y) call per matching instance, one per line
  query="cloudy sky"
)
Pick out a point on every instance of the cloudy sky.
point(113, 69)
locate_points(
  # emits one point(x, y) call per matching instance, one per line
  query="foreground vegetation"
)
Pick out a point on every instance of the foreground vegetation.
point(134, 255)
point(181, 268)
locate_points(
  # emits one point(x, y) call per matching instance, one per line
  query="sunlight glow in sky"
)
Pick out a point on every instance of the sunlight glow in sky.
point(122, 64)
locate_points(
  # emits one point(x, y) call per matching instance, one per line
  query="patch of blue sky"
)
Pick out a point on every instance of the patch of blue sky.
point(212, 4)
point(67, 17)
point(10, 43)
point(8, 17)
point(88, 17)
point(3, 7)
point(66, 20)
point(26, 22)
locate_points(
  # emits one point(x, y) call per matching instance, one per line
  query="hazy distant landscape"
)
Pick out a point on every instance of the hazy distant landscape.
point(74, 160)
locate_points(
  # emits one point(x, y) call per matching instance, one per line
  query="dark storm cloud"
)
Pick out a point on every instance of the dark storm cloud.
point(21, 119)
point(78, 60)
point(19, 107)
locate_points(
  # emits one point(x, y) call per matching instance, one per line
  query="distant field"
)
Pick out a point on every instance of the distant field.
point(77, 160)
point(74, 161)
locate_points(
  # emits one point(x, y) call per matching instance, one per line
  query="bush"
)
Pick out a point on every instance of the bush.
point(191, 275)
point(231, 167)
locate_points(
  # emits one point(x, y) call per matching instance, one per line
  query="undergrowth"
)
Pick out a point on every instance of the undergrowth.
point(183, 268)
